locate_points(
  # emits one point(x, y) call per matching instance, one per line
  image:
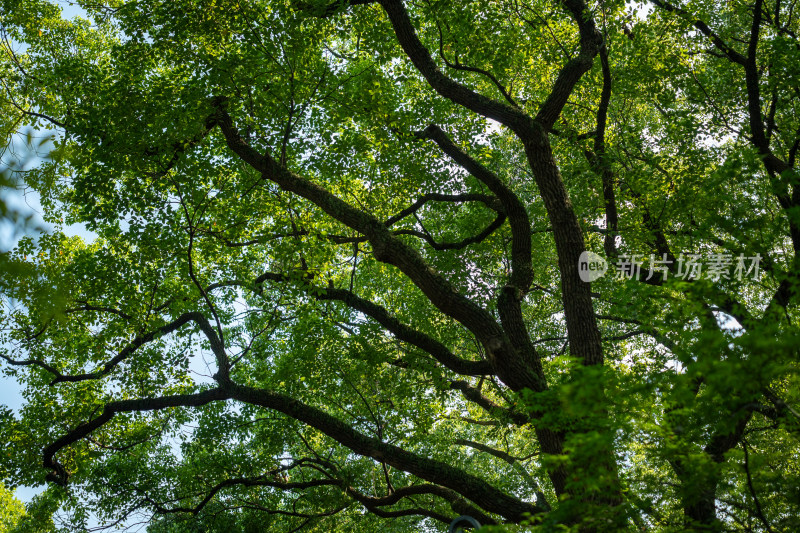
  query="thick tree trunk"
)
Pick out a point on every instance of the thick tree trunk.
point(584, 343)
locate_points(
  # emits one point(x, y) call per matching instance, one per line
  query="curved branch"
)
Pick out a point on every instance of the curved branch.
point(500, 454)
point(723, 47)
point(260, 481)
point(503, 113)
point(193, 316)
point(471, 487)
point(522, 271)
point(509, 301)
point(389, 249)
point(405, 333)
point(457, 503)
point(126, 352)
point(28, 112)
point(590, 43)
point(59, 474)
point(474, 395)
point(773, 163)
point(30, 362)
point(599, 160)
point(100, 309)
point(324, 11)
point(413, 511)
point(479, 491)
point(475, 239)
point(489, 201)
point(382, 316)
point(465, 68)
point(515, 463)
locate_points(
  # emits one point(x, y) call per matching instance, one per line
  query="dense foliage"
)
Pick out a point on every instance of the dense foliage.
point(336, 282)
point(11, 510)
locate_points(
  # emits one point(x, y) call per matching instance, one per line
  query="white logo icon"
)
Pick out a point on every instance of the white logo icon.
point(591, 266)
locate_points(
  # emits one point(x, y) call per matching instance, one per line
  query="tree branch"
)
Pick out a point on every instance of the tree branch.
point(475, 239)
point(504, 113)
point(456, 501)
point(59, 474)
point(437, 472)
point(490, 202)
point(522, 271)
point(723, 47)
point(407, 334)
point(474, 395)
point(388, 249)
point(194, 316)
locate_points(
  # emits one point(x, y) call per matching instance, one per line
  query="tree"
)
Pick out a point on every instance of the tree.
point(337, 282)
point(35, 517)
point(11, 510)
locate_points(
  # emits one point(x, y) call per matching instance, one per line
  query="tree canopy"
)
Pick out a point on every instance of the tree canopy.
point(347, 267)
point(11, 510)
